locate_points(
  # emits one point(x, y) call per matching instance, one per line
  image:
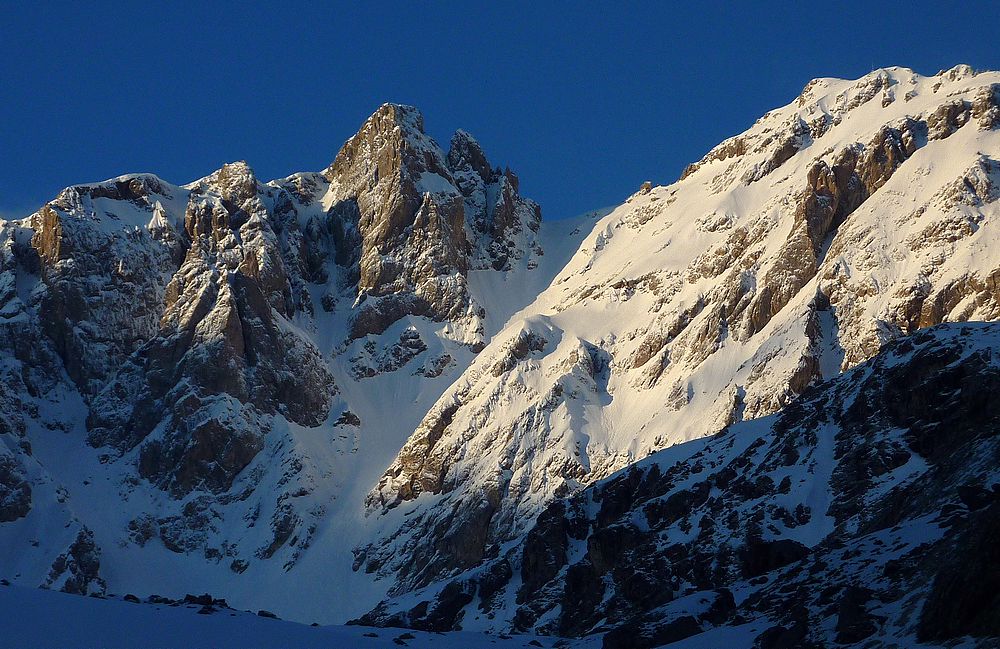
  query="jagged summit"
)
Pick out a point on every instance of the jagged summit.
point(465, 153)
point(222, 344)
point(423, 223)
point(236, 175)
point(396, 126)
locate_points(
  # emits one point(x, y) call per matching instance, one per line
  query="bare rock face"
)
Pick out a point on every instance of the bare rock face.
point(503, 223)
point(412, 241)
point(425, 219)
point(220, 348)
point(963, 596)
point(98, 274)
point(834, 191)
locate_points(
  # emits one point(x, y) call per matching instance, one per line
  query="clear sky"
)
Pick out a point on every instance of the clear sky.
point(584, 100)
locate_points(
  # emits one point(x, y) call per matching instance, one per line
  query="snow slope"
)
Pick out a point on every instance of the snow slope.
point(863, 514)
point(38, 619)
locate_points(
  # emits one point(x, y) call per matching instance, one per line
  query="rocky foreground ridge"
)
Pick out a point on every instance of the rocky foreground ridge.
point(864, 512)
point(388, 384)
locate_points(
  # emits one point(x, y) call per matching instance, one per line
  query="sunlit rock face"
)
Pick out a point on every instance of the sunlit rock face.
point(425, 219)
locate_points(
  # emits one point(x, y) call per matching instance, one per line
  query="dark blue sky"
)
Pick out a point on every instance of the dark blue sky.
point(583, 100)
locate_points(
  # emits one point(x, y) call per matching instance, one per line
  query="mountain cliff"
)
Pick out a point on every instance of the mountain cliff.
point(220, 358)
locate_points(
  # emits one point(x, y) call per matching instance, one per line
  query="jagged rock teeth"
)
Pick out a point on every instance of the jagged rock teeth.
point(465, 154)
point(413, 205)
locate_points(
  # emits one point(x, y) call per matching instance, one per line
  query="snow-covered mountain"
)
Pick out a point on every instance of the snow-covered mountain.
point(859, 213)
point(386, 390)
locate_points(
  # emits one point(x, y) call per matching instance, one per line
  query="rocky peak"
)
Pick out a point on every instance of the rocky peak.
point(234, 181)
point(234, 187)
point(390, 144)
point(466, 154)
point(424, 219)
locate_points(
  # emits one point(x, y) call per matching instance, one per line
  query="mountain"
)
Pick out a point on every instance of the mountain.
point(859, 213)
point(201, 381)
point(387, 391)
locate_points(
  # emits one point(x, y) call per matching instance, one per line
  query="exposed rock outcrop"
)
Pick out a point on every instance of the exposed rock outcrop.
point(221, 349)
point(425, 219)
point(15, 491)
point(77, 570)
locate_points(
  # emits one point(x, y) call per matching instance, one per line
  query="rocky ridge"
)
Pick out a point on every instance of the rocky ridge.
point(857, 514)
point(200, 339)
